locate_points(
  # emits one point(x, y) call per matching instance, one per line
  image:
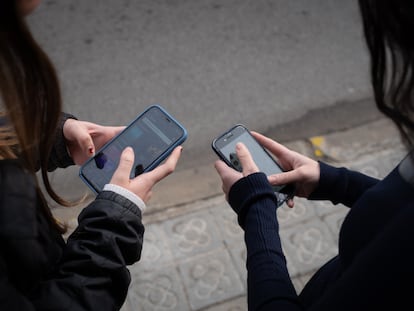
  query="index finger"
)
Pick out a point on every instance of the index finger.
point(116, 129)
point(270, 144)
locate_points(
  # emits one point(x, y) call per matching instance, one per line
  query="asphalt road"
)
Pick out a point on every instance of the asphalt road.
point(211, 63)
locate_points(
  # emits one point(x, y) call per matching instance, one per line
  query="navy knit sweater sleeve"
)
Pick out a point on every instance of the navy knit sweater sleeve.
point(375, 245)
point(341, 185)
point(268, 280)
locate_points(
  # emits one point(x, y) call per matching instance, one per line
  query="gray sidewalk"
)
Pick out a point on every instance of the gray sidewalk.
point(194, 255)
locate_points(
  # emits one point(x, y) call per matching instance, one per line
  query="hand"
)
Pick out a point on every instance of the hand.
point(301, 171)
point(230, 176)
point(84, 138)
point(142, 184)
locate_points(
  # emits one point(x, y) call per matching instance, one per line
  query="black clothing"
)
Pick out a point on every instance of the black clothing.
point(39, 271)
point(59, 156)
point(374, 266)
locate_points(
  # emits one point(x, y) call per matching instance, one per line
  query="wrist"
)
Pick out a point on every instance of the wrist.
point(126, 194)
point(247, 191)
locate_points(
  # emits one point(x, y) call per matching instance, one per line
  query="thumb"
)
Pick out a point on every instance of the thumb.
point(246, 160)
point(121, 176)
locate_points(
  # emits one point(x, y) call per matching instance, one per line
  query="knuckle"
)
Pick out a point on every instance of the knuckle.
point(169, 170)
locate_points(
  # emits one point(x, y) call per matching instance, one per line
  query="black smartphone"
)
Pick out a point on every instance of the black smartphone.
point(225, 147)
point(153, 135)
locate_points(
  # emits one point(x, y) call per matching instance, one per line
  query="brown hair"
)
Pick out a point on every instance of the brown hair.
point(388, 29)
point(31, 96)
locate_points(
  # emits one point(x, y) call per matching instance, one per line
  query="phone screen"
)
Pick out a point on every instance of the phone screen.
point(152, 135)
point(225, 147)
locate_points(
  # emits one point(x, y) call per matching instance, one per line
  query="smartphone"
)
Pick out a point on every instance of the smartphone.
point(225, 147)
point(153, 135)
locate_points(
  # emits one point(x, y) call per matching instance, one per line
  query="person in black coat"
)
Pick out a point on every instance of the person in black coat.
point(374, 266)
point(38, 269)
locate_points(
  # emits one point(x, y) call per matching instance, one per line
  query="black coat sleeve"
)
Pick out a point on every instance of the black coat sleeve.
point(59, 156)
point(39, 271)
point(93, 274)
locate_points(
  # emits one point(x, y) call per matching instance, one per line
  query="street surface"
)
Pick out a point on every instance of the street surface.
point(209, 63)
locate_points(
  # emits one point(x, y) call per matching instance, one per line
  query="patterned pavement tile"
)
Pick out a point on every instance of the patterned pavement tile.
point(308, 246)
point(210, 278)
point(226, 220)
point(159, 290)
point(238, 254)
point(238, 304)
point(156, 251)
point(380, 164)
point(300, 281)
point(334, 221)
point(291, 216)
point(192, 234)
point(323, 208)
point(292, 269)
point(297, 283)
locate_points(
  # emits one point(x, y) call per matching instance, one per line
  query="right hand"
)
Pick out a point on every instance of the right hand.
point(142, 184)
point(301, 171)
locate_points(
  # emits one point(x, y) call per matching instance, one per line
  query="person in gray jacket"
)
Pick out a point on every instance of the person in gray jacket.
point(38, 269)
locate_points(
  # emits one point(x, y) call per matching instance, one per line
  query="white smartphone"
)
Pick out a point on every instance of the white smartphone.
point(225, 147)
point(153, 135)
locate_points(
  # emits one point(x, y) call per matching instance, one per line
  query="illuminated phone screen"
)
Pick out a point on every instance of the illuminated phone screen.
point(153, 135)
point(225, 146)
point(266, 164)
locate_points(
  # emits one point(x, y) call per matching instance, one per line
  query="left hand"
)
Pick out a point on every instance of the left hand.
point(84, 138)
point(230, 176)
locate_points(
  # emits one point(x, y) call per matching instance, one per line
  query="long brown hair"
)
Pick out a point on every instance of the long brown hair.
point(30, 92)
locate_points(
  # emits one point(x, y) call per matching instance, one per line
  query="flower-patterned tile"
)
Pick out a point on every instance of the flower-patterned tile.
point(238, 304)
point(308, 246)
point(210, 278)
point(291, 216)
point(155, 249)
point(159, 290)
point(192, 234)
point(334, 221)
point(239, 254)
point(226, 221)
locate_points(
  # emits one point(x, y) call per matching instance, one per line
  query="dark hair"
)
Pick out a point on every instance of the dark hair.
point(31, 95)
point(388, 28)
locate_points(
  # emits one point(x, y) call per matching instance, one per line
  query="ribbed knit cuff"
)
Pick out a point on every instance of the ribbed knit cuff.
point(327, 182)
point(246, 191)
